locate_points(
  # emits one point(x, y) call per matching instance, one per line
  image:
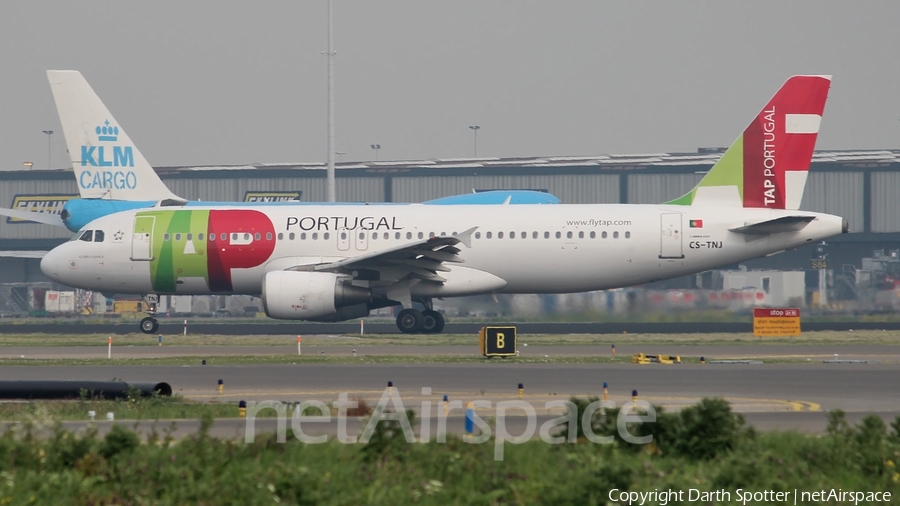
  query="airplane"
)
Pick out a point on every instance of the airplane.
point(113, 176)
point(331, 263)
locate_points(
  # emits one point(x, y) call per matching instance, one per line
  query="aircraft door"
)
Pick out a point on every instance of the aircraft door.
point(142, 238)
point(671, 236)
point(343, 238)
point(362, 240)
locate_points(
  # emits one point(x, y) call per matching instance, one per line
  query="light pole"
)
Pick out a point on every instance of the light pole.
point(475, 132)
point(376, 147)
point(341, 155)
point(28, 164)
point(49, 136)
point(330, 183)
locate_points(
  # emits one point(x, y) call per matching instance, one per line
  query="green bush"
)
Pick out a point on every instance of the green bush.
point(60, 467)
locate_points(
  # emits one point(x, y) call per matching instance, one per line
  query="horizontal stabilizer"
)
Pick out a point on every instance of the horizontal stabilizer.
point(45, 218)
point(776, 226)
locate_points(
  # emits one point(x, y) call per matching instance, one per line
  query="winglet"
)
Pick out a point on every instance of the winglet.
point(768, 164)
point(466, 237)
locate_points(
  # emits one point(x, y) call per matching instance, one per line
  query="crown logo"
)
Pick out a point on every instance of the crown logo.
point(107, 132)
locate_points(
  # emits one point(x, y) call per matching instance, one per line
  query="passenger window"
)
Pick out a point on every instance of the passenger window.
point(302, 236)
point(593, 235)
point(246, 236)
point(615, 235)
point(512, 235)
point(397, 236)
point(166, 237)
point(568, 235)
point(291, 236)
point(325, 235)
point(581, 235)
point(499, 235)
point(558, 235)
point(409, 235)
point(212, 237)
point(374, 235)
point(315, 236)
point(387, 236)
point(603, 235)
point(343, 236)
point(628, 235)
point(430, 235)
point(223, 236)
point(546, 235)
point(98, 236)
point(280, 235)
point(478, 235)
point(443, 234)
point(189, 236)
point(257, 236)
point(488, 235)
point(177, 237)
point(234, 237)
point(362, 235)
point(199, 237)
point(268, 236)
point(421, 235)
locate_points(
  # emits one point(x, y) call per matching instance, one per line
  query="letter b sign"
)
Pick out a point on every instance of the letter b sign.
point(499, 341)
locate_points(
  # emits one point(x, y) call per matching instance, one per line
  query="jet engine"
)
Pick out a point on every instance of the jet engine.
point(301, 295)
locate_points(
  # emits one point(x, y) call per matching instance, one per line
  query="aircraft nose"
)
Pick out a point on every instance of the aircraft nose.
point(50, 264)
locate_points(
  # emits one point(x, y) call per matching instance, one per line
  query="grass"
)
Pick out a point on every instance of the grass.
point(221, 360)
point(45, 413)
point(867, 337)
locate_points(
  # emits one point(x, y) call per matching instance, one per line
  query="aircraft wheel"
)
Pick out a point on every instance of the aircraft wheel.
point(432, 322)
point(410, 321)
point(149, 325)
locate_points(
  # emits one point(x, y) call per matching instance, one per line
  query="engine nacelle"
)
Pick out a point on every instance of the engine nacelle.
point(300, 295)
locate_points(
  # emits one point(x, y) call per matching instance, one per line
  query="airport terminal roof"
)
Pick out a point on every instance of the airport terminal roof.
point(650, 162)
point(707, 156)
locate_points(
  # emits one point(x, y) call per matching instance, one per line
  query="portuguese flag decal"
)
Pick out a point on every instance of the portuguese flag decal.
point(695, 223)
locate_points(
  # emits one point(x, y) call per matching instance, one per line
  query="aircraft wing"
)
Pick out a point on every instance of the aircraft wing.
point(421, 259)
point(776, 226)
point(46, 218)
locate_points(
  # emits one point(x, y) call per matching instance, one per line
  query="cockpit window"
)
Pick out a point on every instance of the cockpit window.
point(98, 236)
point(87, 236)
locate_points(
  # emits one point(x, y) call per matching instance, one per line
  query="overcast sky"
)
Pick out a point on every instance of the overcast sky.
point(233, 82)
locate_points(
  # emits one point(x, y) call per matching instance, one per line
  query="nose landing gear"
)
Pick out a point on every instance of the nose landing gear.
point(149, 325)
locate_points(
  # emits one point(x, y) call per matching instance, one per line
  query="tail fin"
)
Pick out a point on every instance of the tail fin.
point(768, 164)
point(106, 163)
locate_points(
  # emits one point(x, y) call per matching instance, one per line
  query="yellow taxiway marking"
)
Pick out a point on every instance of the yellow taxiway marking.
point(413, 395)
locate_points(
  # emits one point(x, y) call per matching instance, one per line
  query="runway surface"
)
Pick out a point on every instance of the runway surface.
point(751, 388)
point(173, 326)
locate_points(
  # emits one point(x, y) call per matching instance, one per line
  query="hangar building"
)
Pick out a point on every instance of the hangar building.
point(862, 186)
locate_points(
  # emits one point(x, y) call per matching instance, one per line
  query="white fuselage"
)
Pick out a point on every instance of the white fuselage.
point(530, 248)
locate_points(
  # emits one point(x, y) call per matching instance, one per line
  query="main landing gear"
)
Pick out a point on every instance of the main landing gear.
point(149, 325)
point(413, 321)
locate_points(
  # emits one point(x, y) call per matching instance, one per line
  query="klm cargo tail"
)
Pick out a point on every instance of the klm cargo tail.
point(112, 175)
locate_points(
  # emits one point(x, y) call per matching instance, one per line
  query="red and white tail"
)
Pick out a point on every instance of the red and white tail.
point(768, 164)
